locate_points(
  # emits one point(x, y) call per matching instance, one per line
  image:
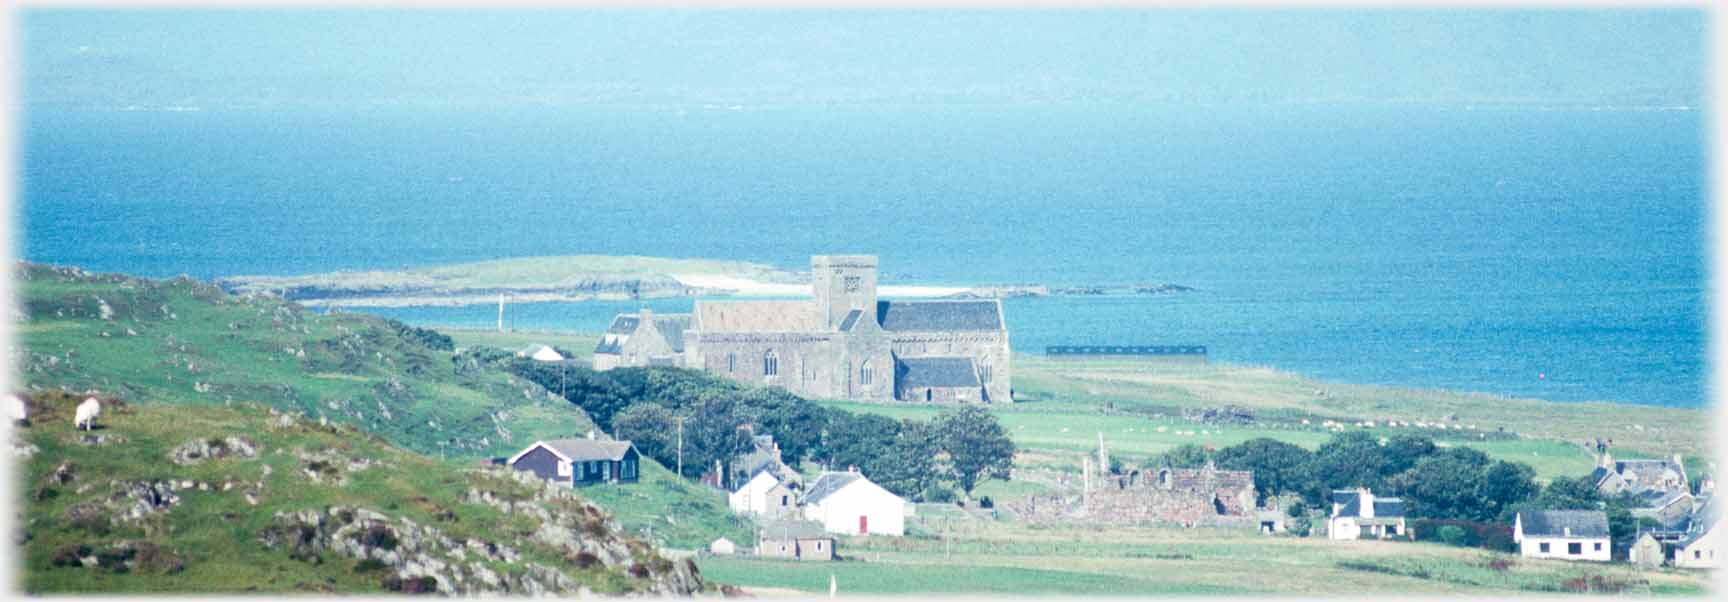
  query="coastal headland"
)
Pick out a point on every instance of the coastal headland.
point(602, 277)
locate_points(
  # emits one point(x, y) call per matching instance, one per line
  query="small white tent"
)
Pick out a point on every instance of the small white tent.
point(543, 353)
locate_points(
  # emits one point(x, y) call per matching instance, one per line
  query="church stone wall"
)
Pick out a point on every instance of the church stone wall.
point(987, 349)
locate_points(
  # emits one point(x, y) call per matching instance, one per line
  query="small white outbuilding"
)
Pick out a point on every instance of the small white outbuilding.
point(541, 353)
point(722, 547)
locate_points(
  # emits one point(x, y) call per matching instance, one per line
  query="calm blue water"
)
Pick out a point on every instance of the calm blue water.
point(1412, 246)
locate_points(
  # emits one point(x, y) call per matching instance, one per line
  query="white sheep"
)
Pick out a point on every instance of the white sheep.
point(15, 408)
point(87, 412)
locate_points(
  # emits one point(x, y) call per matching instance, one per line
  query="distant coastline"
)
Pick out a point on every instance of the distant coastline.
point(601, 278)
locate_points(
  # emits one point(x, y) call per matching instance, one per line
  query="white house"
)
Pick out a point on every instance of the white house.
point(1358, 513)
point(764, 494)
point(1564, 534)
point(1697, 549)
point(846, 502)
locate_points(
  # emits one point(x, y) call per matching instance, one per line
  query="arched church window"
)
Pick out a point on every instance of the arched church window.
point(770, 363)
point(864, 373)
point(984, 370)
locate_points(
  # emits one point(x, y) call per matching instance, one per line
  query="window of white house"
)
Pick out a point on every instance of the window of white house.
point(865, 376)
point(1543, 547)
point(1574, 549)
point(563, 469)
point(783, 500)
point(770, 364)
point(1598, 546)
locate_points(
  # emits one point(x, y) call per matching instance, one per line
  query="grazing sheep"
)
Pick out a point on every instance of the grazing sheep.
point(87, 412)
point(16, 410)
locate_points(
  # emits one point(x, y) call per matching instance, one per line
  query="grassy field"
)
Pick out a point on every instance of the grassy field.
point(1151, 387)
point(215, 533)
point(673, 511)
point(996, 558)
point(182, 341)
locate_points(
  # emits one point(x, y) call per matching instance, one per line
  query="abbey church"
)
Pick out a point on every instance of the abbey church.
point(843, 344)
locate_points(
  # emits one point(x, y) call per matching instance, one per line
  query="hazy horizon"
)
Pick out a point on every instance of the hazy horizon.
point(238, 59)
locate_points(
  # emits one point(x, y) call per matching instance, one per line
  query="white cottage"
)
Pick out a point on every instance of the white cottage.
point(1359, 513)
point(764, 494)
point(1563, 534)
point(846, 502)
point(1697, 549)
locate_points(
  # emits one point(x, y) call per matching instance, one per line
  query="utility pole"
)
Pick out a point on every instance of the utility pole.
point(680, 420)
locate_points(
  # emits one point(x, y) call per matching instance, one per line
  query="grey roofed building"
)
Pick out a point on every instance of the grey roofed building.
point(917, 316)
point(843, 343)
point(793, 529)
point(1384, 507)
point(1564, 523)
point(938, 372)
point(827, 484)
point(582, 450)
point(623, 324)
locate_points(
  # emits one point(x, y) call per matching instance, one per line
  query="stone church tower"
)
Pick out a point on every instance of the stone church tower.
point(844, 343)
point(845, 288)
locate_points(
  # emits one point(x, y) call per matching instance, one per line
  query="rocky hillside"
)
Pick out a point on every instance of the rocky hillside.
point(186, 341)
point(248, 498)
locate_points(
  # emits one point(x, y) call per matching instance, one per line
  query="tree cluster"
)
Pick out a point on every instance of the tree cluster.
point(647, 406)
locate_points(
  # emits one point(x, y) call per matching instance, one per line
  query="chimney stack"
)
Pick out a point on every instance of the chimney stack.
point(1366, 501)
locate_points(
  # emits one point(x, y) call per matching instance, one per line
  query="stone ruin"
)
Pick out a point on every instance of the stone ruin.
point(1189, 497)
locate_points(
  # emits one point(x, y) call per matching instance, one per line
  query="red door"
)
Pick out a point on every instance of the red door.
point(863, 525)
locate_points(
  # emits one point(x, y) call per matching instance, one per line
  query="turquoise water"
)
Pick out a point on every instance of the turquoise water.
point(1555, 254)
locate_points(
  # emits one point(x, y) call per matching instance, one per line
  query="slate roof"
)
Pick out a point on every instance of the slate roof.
point(624, 324)
point(1554, 523)
point(927, 316)
point(609, 344)
point(584, 450)
point(757, 316)
point(1384, 507)
point(672, 328)
point(938, 372)
point(776, 530)
point(827, 484)
point(851, 320)
point(1703, 519)
point(1640, 473)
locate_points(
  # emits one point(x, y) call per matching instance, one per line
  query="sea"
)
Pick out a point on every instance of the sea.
point(1531, 251)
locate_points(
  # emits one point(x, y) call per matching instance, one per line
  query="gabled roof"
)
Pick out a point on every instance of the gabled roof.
point(926, 316)
point(671, 328)
point(775, 530)
point(579, 450)
point(829, 483)
point(1384, 507)
point(916, 372)
point(1556, 523)
point(624, 324)
point(757, 316)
